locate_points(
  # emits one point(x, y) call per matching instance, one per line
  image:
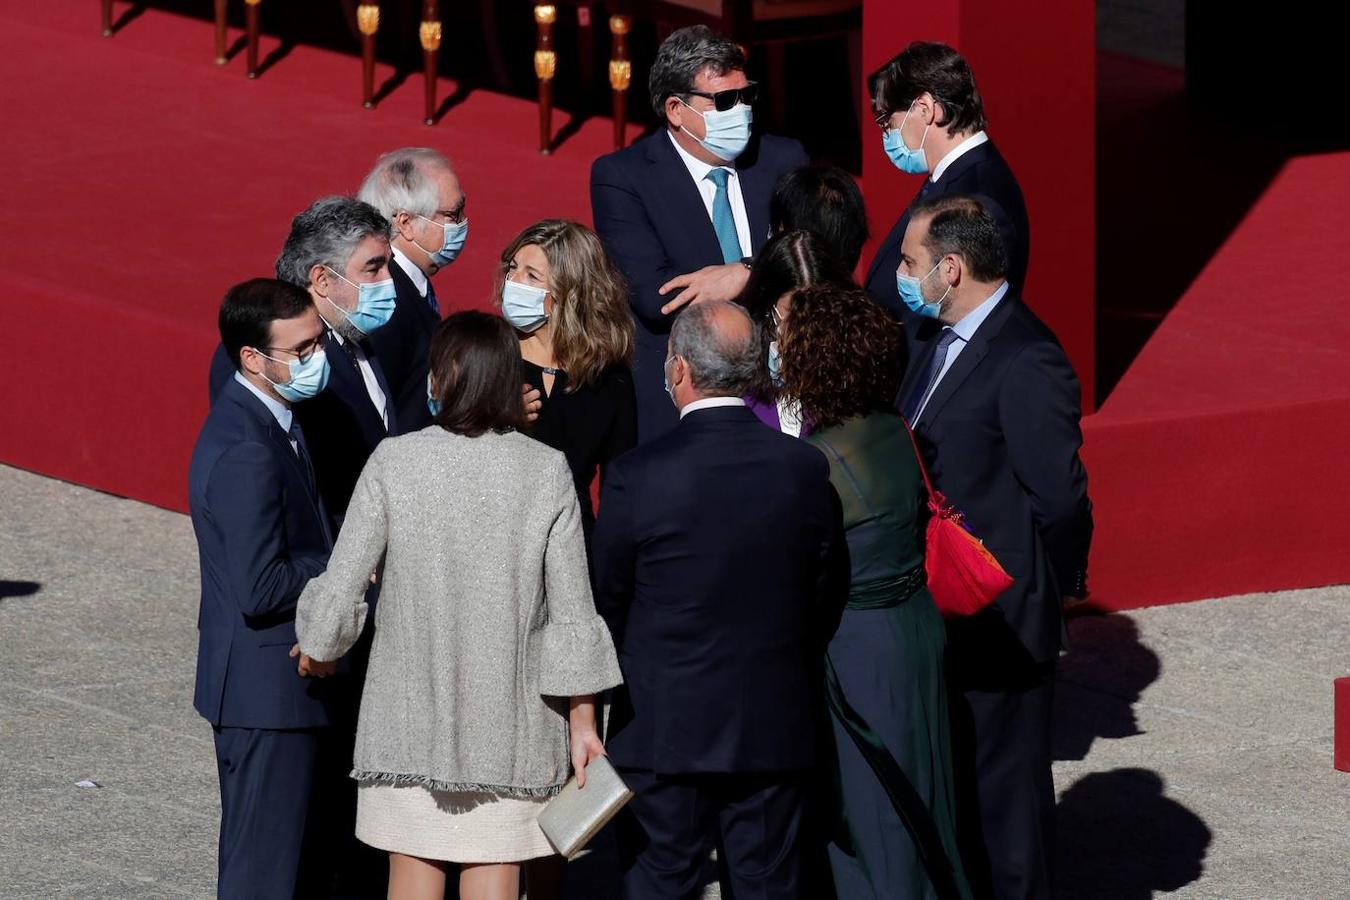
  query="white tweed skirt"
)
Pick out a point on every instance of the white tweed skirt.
point(454, 826)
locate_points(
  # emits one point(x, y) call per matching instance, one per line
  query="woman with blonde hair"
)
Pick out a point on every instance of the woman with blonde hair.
point(569, 306)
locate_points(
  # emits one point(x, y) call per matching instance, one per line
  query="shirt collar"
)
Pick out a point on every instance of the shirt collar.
point(710, 403)
point(280, 411)
point(957, 152)
point(698, 169)
point(415, 275)
point(971, 321)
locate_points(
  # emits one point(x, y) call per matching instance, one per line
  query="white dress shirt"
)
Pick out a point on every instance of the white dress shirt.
point(710, 403)
point(373, 388)
point(415, 275)
point(964, 331)
point(280, 411)
point(957, 152)
point(698, 170)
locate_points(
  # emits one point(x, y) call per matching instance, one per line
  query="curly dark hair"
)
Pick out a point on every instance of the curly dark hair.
point(842, 355)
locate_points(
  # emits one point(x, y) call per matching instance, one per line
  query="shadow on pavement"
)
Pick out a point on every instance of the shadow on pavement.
point(18, 589)
point(1121, 837)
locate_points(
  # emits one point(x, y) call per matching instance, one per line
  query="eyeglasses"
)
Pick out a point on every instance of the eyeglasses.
point(883, 120)
point(301, 353)
point(725, 100)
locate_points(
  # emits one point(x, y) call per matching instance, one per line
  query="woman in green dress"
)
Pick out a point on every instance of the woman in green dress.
point(842, 358)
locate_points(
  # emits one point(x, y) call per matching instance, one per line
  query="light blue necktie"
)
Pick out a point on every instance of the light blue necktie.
point(724, 223)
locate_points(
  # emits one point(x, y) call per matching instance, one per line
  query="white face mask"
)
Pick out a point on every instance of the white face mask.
point(523, 305)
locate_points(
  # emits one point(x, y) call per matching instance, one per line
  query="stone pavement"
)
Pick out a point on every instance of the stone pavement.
point(1193, 742)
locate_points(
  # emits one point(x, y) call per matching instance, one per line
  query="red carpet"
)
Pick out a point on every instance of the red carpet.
point(143, 181)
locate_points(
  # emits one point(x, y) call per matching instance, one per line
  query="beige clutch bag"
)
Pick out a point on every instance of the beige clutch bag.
point(572, 818)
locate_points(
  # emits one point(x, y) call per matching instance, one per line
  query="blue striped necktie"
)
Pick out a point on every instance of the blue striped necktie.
point(724, 223)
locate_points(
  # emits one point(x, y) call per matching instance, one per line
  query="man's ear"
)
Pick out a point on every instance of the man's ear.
point(251, 361)
point(675, 111)
point(320, 280)
point(403, 224)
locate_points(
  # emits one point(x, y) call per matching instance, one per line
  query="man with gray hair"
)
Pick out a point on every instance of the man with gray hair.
point(417, 191)
point(683, 211)
point(720, 569)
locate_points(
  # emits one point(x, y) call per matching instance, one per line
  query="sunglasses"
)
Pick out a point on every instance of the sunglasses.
point(725, 100)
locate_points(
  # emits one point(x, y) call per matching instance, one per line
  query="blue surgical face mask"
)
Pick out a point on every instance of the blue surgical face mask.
point(911, 292)
point(727, 133)
point(775, 364)
point(308, 378)
point(374, 303)
point(432, 403)
point(912, 162)
point(523, 305)
point(456, 234)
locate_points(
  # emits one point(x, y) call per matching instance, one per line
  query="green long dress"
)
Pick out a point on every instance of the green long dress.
point(887, 662)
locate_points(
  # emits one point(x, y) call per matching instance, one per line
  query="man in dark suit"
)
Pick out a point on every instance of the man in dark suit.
point(932, 118)
point(995, 408)
point(338, 249)
point(261, 535)
point(683, 210)
point(720, 569)
point(418, 192)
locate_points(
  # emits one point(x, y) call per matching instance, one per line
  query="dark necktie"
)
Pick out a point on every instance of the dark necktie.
point(924, 386)
point(724, 223)
point(303, 453)
point(431, 299)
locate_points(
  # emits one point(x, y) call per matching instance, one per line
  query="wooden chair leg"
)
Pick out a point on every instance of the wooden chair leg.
point(620, 74)
point(252, 23)
point(368, 23)
point(545, 64)
point(430, 34)
point(220, 31)
point(107, 18)
point(586, 52)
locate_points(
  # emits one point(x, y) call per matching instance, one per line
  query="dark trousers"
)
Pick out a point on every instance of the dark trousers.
point(673, 821)
point(1005, 795)
point(266, 778)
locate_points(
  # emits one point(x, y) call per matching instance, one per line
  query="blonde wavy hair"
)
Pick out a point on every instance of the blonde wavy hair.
point(592, 325)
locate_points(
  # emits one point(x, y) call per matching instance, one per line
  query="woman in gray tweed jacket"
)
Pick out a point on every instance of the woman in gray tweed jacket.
point(479, 699)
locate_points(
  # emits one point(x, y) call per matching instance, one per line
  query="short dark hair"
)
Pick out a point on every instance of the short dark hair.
point(475, 363)
point(824, 200)
point(682, 56)
point(790, 260)
point(934, 68)
point(250, 308)
point(843, 356)
point(962, 225)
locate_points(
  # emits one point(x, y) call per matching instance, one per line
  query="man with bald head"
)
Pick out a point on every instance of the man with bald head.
point(719, 568)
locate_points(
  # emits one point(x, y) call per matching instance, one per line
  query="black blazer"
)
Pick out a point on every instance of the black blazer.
point(720, 567)
point(341, 425)
point(261, 536)
point(983, 172)
point(1000, 436)
point(403, 345)
point(651, 218)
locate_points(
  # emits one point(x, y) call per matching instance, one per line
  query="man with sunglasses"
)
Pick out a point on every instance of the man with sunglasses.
point(262, 534)
point(683, 210)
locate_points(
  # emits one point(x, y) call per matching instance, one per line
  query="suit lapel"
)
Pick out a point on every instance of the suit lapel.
point(407, 295)
point(682, 196)
point(919, 364)
point(384, 386)
point(756, 189)
point(348, 386)
point(282, 441)
point(974, 352)
point(897, 233)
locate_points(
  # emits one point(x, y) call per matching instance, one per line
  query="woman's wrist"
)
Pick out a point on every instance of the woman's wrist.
point(581, 714)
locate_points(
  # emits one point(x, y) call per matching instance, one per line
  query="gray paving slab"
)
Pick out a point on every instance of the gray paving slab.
point(1193, 742)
